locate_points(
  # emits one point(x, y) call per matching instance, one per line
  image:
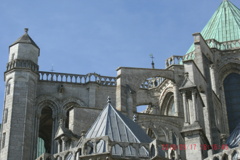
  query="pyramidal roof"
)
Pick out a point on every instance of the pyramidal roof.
point(224, 24)
point(118, 127)
point(25, 39)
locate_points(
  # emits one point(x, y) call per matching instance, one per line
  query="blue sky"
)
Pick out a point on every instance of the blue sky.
point(84, 36)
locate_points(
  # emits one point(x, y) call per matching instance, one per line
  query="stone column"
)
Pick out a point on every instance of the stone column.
point(63, 143)
point(195, 116)
point(186, 119)
point(130, 105)
point(193, 145)
point(36, 132)
point(59, 146)
point(77, 155)
point(54, 129)
point(176, 99)
point(213, 78)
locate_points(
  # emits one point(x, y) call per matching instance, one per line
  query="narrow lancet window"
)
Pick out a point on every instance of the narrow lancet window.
point(8, 88)
point(5, 115)
point(232, 94)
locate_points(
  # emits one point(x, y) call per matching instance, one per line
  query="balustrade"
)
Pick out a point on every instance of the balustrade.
point(152, 82)
point(76, 78)
point(228, 45)
point(227, 153)
point(22, 64)
point(90, 147)
point(174, 60)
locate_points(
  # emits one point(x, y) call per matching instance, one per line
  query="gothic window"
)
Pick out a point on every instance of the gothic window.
point(46, 128)
point(174, 139)
point(232, 94)
point(8, 88)
point(40, 147)
point(152, 151)
point(67, 119)
point(171, 107)
point(5, 115)
point(168, 104)
point(3, 140)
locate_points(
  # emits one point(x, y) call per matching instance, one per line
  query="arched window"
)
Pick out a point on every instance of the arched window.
point(67, 119)
point(232, 94)
point(45, 128)
point(168, 105)
point(40, 147)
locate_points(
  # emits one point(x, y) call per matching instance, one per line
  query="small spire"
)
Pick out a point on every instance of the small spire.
point(52, 68)
point(151, 56)
point(109, 100)
point(26, 30)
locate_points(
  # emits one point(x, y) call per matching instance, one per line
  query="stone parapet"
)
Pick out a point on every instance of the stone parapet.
point(22, 64)
point(174, 60)
point(77, 78)
point(90, 150)
point(226, 153)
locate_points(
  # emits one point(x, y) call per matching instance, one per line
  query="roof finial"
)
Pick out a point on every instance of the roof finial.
point(151, 56)
point(109, 100)
point(26, 30)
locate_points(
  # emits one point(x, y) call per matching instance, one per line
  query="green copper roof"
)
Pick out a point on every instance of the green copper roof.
point(223, 26)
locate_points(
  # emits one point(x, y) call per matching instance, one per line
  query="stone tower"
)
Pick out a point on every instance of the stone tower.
point(192, 104)
point(20, 78)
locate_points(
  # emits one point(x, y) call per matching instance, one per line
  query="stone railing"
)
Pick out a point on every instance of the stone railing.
point(18, 63)
point(45, 156)
point(174, 60)
point(212, 43)
point(226, 154)
point(228, 45)
point(76, 78)
point(152, 83)
point(93, 147)
point(189, 56)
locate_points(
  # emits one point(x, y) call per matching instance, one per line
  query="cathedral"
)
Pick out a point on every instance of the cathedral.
point(191, 110)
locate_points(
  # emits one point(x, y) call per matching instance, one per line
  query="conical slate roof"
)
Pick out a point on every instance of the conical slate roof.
point(25, 39)
point(118, 127)
point(224, 24)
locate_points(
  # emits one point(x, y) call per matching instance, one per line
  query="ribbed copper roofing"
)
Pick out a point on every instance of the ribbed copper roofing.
point(224, 25)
